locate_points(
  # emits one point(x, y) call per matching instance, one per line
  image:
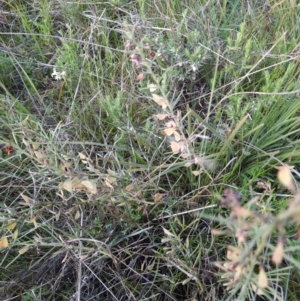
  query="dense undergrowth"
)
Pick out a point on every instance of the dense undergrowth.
point(149, 150)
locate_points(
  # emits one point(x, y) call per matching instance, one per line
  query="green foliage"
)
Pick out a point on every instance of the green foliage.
point(122, 124)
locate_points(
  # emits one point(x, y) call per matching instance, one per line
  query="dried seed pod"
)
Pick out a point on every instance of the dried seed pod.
point(278, 252)
point(262, 277)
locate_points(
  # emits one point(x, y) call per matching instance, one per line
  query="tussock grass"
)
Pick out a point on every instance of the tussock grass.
point(140, 148)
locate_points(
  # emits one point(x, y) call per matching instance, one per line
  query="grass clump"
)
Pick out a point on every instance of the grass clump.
point(149, 150)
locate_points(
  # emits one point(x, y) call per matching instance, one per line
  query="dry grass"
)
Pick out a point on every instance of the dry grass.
point(140, 145)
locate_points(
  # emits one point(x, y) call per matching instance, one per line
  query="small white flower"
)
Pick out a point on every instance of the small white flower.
point(58, 75)
point(152, 87)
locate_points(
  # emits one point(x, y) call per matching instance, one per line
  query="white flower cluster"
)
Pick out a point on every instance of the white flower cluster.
point(58, 75)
